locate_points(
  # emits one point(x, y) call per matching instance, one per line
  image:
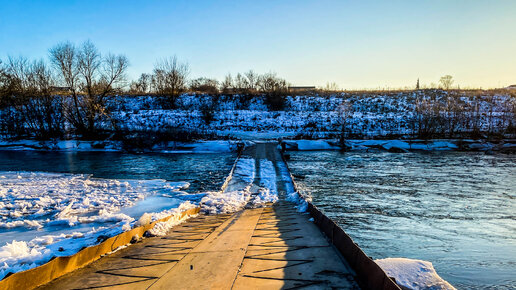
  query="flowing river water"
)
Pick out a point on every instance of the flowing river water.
point(454, 209)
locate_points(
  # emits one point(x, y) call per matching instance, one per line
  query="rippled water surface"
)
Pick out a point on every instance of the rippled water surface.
point(455, 209)
point(204, 172)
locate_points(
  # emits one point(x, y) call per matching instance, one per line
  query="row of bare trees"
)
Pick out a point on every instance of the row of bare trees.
point(447, 115)
point(170, 78)
point(455, 117)
point(30, 90)
point(27, 99)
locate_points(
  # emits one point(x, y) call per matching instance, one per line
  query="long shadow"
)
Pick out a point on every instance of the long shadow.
point(121, 270)
point(288, 250)
point(280, 246)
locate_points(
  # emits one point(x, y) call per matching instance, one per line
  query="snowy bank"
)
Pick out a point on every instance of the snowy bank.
point(176, 218)
point(18, 256)
point(208, 146)
point(60, 265)
point(401, 145)
point(413, 274)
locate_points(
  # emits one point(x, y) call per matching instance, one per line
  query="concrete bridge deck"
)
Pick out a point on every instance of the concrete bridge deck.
point(271, 247)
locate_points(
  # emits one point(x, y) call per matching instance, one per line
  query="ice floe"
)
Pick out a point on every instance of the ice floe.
point(57, 203)
point(37, 199)
point(413, 274)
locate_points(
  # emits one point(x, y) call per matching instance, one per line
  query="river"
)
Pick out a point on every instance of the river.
point(454, 209)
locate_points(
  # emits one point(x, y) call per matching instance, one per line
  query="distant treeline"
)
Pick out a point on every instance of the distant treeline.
point(68, 95)
point(74, 84)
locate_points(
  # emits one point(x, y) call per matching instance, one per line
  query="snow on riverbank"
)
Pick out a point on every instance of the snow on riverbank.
point(161, 228)
point(413, 274)
point(371, 115)
point(18, 256)
point(400, 145)
point(209, 146)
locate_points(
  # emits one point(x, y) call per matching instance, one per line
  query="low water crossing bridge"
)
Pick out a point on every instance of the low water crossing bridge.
point(272, 247)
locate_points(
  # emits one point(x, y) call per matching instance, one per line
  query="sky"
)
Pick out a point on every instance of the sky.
point(356, 44)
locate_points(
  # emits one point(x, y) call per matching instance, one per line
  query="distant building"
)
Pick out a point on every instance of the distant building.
point(301, 89)
point(60, 89)
point(511, 87)
point(231, 90)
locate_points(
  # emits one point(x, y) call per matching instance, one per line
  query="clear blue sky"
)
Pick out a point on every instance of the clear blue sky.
point(357, 44)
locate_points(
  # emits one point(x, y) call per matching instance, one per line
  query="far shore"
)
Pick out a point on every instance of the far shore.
point(218, 146)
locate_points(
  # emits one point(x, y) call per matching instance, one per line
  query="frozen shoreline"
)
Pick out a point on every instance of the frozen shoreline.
point(225, 146)
point(209, 146)
point(400, 146)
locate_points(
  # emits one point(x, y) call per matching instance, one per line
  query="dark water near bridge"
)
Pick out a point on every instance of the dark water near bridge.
point(204, 172)
point(456, 210)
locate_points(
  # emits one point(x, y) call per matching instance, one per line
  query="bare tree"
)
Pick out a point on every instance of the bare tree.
point(204, 85)
point(345, 112)
point(270, 83)
point(4, 82)
point(64, 57)
point(475, 117)
point(428, 116)
point(142, 85)
point(446, 82)
point(85, 71)
point(170, 76)
point(227, 84)
point(31, 88)
point(250, 81)
point(454, 115)
point(239, 82)
point(331, 87)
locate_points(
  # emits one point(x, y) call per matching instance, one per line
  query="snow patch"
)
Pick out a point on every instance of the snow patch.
point(307, 145)
point(162, 228)
point(41, 200)
point(225, 202)
point(241, 192)
point(237, 193)
point(292, 195)
point(268, 176)
point(413, 274)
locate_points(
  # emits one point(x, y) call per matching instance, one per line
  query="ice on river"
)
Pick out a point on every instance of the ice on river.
point(54, 202)
point(36, 199)
point(413, 274)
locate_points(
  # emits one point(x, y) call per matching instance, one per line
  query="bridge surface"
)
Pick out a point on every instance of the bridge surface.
point(271, 247)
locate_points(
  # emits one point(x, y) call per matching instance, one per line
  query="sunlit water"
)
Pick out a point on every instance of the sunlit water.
point(204, 172)
point(457, 210)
